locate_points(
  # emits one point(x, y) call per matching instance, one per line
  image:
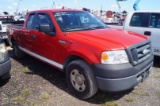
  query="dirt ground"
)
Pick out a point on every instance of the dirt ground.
point(34, 83)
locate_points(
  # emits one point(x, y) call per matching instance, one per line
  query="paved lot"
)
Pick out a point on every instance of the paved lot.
point(34, 83)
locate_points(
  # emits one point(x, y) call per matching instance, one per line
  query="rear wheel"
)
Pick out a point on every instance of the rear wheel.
point(17, 52)
point(81, 79)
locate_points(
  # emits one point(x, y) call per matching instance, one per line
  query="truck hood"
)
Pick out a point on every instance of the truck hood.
point(109, 39)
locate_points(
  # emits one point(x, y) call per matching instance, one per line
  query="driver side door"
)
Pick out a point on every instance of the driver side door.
point(44, 43)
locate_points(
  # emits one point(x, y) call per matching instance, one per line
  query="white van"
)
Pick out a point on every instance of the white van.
point(146, 23)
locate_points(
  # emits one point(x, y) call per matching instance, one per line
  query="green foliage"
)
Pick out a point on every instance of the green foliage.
point(25, 70)
point(21, 99)
point(140, 93)
point(110, 103)
point(44, 96)
point(128, 99)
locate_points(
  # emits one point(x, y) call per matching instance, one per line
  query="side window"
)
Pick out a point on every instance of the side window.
point(154, 21)
point(43, 19)
point(30, 21)
point(136, 20)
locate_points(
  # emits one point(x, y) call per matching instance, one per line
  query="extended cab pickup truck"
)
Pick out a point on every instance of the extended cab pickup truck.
point(92, 55)
point(146, 23)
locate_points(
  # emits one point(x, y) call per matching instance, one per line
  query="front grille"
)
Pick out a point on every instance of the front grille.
point(139, 52)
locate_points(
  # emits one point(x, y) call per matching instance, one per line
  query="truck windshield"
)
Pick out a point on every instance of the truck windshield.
point(78, 21)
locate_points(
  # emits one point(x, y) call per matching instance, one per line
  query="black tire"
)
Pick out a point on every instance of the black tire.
point(4, 79)
point(3, 82)
point(6, 76)
point(17, 52)
point(81, 79)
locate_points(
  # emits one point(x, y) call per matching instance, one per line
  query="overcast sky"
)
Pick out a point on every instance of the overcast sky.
point(11, 5)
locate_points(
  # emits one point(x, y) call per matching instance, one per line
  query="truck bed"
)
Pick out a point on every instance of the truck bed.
point(10, 29)
point(16, 24)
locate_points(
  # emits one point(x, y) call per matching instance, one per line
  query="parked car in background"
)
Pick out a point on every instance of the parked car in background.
point(21, 18)
point(146, 23)
point(5, 20)
point(5, 63)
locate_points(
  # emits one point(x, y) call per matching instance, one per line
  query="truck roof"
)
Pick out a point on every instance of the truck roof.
point(56, 10)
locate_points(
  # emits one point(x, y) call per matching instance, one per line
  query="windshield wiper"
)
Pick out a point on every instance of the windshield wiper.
point(83, 28)
point(68, 28)
point(98, 27)
point(74, 28)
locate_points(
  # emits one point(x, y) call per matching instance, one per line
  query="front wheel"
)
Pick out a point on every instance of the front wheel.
point(81, 79)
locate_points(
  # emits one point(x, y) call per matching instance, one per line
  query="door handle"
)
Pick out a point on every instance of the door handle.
point(148, 33)
point(33, 37)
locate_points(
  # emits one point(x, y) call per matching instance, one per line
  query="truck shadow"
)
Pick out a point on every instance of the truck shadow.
point(156, 62)
point(58, 79)
point(2, 83)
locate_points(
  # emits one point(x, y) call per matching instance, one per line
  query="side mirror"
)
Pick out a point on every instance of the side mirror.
point(46, 29)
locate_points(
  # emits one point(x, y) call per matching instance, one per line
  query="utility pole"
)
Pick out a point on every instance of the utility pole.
point(53, 4)
point(101, 11)
point(18, 6)
point(119, 4)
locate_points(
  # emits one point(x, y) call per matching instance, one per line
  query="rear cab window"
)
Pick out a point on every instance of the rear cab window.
point(154, 20)
point(30, 21)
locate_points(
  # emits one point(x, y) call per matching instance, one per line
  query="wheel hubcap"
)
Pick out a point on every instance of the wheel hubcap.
point(78, 80)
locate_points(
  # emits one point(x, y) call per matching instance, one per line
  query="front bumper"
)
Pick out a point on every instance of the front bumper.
point(5, 67)
point(121, 77)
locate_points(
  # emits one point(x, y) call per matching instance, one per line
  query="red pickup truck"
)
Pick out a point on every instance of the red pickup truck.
point(92, 55)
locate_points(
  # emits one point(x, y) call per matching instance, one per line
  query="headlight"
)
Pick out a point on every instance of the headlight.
point(114, 57)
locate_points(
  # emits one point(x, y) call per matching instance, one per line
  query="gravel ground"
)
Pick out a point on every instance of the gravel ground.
point(34, 83)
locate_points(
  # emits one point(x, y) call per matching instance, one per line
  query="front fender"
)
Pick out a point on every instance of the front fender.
point(90, 56)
